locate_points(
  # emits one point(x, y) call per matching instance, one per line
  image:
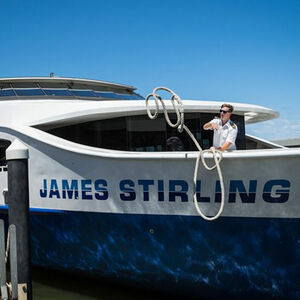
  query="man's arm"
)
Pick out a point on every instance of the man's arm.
point(225, 146)
point(210, 125)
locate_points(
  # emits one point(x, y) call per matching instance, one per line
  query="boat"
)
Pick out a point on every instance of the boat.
point(111, 197)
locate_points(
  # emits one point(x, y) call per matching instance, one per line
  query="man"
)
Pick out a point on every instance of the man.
point(225, 131)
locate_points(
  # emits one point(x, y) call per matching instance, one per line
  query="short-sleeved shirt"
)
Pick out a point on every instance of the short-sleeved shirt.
point(226, 133)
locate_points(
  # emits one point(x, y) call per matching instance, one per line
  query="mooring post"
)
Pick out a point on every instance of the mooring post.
point(18, 213)
point(3, 292)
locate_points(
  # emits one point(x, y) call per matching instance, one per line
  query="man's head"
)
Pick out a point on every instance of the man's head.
point(225, 112)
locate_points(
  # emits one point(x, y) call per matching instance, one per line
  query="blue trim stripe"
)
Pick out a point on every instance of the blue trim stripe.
point(37, 210)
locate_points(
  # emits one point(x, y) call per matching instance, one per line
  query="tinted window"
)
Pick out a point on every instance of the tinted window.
point(129, 96)
point(240, 139)
point(139, 133)
point(6, 93)
point(146, 136)
point(107, 95)
point(26, 89)
point(195, 122)
point(29, 92)
point(113, 133)
point(109, 134)
point(83, 93)
point(53, 92)
point(137, 96)
point(126, 96)
point(4, 144)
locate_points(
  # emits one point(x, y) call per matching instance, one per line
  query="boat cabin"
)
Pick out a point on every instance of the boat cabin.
point(126, 127)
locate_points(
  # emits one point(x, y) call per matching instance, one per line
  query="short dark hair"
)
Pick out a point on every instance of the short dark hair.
point(229, 106)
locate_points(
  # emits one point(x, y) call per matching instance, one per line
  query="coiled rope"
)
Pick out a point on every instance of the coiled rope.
point(8, 284)
point(179, 124)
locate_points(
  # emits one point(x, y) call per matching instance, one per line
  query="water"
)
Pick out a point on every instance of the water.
point(57, 285)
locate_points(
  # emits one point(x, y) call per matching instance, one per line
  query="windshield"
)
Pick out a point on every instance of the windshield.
point(139, 133)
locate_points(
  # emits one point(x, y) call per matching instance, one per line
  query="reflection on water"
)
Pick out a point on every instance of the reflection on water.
point(57, 285)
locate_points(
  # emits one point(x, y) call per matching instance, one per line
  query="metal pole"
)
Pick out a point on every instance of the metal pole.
point(18, 212)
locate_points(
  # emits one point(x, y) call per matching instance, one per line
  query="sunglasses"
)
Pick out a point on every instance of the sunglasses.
point(224, 111)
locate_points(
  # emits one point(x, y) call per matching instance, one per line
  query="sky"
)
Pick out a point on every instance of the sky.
point(233, 51)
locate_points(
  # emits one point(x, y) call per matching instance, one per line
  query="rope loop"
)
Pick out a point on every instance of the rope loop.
point(176, 103)
point(217, 155)
point(7, 247)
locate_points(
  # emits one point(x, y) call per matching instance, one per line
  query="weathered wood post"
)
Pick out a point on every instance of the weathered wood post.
point(18, 213)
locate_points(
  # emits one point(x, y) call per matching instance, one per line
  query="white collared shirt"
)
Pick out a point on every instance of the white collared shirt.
point(226, 133)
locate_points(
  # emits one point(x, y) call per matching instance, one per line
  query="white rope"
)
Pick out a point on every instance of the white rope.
point(8, 284)
point(179, 110)
point(7, 247)
point(217, 155)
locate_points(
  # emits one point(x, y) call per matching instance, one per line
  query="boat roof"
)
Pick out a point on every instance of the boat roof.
point(252, 113)
point(291, 142)
point(68, 80)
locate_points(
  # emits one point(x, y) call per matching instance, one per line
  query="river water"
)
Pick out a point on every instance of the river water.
point(57, 285)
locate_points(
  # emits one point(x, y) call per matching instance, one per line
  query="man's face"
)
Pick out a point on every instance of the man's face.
point(225, 114)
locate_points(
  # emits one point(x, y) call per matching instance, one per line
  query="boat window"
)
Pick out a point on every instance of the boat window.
point(7, 93)
point(113, 134)
point(57, 92)
point(83, 93)
point(144, 136)
point(139, 133)
point(240, 139)
point(129, 96)
point(27, 89)
point(106, 95)
point(29, 92)
point(4, 144)
point(109, 134)
point(124, 96)
point(136, 96)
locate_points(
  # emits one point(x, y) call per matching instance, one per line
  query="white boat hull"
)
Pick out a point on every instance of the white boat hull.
point(131, 217)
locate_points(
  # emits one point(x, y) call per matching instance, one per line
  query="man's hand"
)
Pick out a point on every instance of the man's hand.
point(209, 125)
point(225, 146)
point(214, 126)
